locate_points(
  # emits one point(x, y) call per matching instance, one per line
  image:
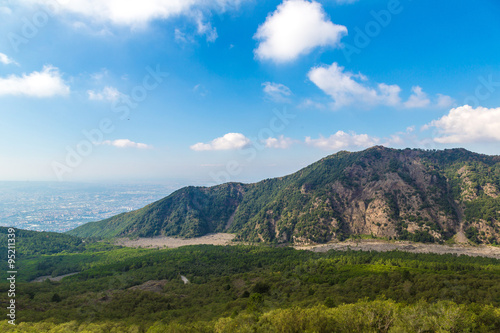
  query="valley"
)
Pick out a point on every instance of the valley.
point(173, 242)
point(381, 240)
point(354, 244)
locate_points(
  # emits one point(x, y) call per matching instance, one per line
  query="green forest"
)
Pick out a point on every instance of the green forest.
point(248, 289)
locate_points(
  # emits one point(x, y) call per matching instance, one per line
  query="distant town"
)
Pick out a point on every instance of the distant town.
point(48, 206)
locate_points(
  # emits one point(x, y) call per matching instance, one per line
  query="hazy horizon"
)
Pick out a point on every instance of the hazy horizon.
point(238, 90)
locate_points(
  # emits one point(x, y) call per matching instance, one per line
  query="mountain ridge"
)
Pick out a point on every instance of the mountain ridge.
point(409, 194)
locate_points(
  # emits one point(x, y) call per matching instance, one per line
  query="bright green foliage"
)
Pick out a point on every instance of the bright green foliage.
point(244, 285)
point(378, 316)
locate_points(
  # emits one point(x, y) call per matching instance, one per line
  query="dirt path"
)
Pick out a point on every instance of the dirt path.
point(56, 278)
point(364, 245)
point(172, 242)
point(382, 246)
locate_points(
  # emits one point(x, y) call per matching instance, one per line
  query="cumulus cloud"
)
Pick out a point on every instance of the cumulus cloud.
point(4, 59)
point(465, 124)
point(46, 83)
point(347, 88)
point(444, 101)
point(418, 99)
point(107, 93)
point(132, 12)
point(126, 143)
point(277, 92)
point(342, 140)
point(279, 143)
point(229, 141)
point(351, 140)
point(295, 28)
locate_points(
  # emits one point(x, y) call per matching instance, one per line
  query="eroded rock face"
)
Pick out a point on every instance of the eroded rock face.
point(491, 190)
point(378, 207)
point(469, 191)
point(386, 193)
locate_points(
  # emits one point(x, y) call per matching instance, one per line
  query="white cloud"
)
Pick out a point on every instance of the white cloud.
point(181, 37)
point(107, 93)
point(280, 143)
point(100, 75)
point(351, 140)
point(277, 92)
point(133, 13)
point(309, 103)
point(295, 28)
point(4, 59)
point(465, 124)
point(403, 139)
point(418, 99)
point(444, 101)
point(126, 143)
point(46, 83)
point(389, 94)
point(345, 88)
point(229, 141)
point(341, 140)
point(205, 28)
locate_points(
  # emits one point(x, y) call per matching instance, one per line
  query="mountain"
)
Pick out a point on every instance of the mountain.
point(410, 194)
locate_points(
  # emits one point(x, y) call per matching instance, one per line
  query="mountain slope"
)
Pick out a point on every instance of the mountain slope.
point(188, 212)
point(398, 194)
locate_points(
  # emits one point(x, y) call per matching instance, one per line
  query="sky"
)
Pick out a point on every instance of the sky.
point(238, 90)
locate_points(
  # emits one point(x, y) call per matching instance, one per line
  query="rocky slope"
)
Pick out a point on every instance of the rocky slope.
point(395, 194)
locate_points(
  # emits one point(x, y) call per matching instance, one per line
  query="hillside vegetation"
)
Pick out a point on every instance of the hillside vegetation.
point(411, 194)
point(254, 288)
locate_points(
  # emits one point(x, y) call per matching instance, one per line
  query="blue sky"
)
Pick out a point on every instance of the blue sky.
point(238, 90)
